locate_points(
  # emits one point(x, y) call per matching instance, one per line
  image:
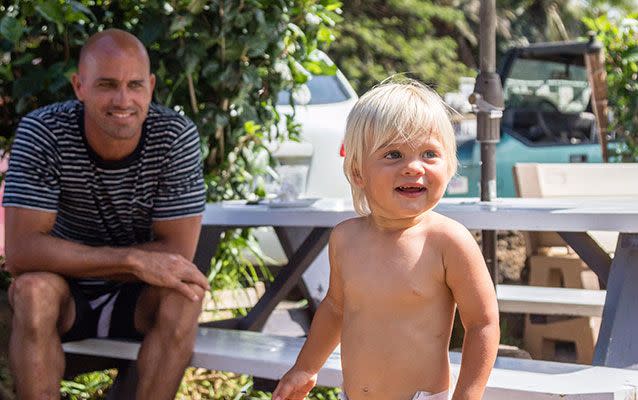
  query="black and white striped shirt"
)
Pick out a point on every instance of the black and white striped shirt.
point(98, 202)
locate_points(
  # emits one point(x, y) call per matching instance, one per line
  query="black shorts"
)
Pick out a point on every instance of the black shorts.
point(110, 315)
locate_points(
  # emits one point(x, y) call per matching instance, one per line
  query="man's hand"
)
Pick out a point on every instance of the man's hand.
point(294, 385)
point(168, 270)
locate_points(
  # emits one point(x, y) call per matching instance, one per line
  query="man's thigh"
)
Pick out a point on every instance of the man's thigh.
point(43, 292)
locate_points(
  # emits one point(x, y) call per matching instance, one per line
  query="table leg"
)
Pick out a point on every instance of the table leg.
point(617, 344)
point(290, 275)
point(209, 238)
point(291, 239)
point(286, 279)
point(591, 253)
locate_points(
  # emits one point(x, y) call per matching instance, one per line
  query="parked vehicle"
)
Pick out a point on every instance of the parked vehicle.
point(547, 118)
point(321, 111)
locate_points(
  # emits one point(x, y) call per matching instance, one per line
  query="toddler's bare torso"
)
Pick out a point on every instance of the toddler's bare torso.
point(398, 312)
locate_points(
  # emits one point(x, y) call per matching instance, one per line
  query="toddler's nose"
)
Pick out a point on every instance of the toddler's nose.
point(414, 167)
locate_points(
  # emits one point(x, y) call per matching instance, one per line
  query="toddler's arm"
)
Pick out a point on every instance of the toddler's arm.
point(323, 337)
point(471, 286)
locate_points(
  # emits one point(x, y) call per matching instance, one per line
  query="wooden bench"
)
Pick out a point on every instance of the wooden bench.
point(269, 356)
point(550, 300)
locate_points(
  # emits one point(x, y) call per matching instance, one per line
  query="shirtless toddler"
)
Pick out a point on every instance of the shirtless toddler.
point(398, 271)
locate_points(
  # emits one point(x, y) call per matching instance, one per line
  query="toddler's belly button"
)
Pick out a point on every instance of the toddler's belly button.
point(365, 389)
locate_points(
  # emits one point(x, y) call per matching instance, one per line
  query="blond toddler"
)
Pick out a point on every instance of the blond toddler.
point(398, 271)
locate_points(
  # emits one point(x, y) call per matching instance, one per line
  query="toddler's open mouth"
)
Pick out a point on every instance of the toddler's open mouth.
point(410, 189)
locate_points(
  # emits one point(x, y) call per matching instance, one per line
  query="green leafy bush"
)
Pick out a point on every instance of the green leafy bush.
point(378, 38)
point(220, 62)
point(620, 39)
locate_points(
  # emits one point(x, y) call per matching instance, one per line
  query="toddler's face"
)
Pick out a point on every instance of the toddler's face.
point(406, 179)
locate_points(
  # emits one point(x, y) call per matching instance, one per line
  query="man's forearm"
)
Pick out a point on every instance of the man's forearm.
point(43, 252)
point(480, 346)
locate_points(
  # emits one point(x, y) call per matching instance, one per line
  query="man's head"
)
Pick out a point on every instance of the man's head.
point(115, 84)
point(392, 115)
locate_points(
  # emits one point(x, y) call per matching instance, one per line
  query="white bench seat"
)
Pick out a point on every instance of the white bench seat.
point(550, 300)
point(269, 356)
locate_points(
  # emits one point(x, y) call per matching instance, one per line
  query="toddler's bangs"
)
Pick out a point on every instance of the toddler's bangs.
point(407, 119)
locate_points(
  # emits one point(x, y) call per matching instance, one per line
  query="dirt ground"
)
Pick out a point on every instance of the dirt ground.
point(511, 257)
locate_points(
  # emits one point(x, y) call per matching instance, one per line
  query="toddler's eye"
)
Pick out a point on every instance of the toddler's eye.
point(392, 155)
point(430, 154)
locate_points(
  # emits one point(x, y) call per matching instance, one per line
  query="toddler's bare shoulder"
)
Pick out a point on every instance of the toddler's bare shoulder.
point(346, 230)
point(349, 226)
point(450, 230)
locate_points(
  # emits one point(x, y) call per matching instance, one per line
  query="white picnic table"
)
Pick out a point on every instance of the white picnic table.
point(304, 232)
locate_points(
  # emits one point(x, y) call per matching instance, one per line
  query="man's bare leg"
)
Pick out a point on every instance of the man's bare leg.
point(169, 321)
point(42, 309)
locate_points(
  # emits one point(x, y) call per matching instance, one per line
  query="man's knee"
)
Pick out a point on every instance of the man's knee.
point(179, 313)
point(37, 298)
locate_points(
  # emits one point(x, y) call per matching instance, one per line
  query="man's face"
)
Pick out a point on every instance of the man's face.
point(116, 88)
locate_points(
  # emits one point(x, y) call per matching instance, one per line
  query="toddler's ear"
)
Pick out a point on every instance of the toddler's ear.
point(357, 179)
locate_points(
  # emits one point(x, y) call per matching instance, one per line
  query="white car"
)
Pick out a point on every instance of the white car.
point(321, 111)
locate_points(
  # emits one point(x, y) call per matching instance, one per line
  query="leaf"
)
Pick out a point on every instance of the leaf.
point(11, 29)
point(56, 77)
point(251, 127)
point(22, 105)
point(180, 23)
point(333, 5)
point(196, 6)
point(324, 34)
point(52, 11)
point(28, 85)
point(82, 9)
point(631, 55)
point(191, 62)
point(257, 46)
point(23, 59)
point(150, 32)
point(320, 67)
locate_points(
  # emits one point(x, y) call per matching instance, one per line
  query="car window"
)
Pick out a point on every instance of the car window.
point(324, 89)
point(547, 103)
point(548, 85)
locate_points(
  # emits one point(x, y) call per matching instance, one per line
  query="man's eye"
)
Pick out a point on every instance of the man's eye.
point(430, 154)
point(392, 155)
point(135, 85)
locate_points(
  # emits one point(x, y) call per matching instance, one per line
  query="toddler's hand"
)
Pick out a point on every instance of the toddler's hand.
point(294, 385)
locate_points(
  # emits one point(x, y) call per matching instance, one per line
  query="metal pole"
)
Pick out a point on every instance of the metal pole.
point(488, 101)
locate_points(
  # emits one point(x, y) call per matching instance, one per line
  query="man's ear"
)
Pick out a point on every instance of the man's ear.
point(77, 85)
point(152, 83)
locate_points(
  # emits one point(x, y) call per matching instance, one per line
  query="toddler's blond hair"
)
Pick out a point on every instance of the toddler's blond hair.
point(394, 112)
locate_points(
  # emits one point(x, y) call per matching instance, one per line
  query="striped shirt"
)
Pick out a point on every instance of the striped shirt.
point(105, 203)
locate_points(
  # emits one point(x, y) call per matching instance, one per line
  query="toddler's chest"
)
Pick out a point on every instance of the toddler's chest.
point(399, 278)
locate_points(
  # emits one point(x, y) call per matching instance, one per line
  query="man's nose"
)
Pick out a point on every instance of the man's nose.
point(122, 97)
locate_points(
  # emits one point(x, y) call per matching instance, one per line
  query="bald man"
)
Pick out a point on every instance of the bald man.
point(103, 198)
